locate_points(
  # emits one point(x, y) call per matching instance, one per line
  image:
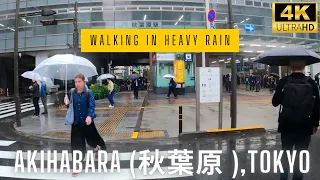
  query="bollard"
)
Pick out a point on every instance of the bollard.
point(180, 119)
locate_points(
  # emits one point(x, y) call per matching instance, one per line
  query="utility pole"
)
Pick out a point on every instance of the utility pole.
point(233, 75)
point(75, 32)
point(16, 66)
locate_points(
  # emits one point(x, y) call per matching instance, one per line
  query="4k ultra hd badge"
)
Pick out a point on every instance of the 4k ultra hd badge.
point(295, 17)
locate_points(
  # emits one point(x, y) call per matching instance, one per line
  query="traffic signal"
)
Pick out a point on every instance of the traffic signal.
point(49, 22)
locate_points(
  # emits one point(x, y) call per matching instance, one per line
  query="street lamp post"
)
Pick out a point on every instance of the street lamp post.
point(75, 26)
point(16, 66)
point(234, 75)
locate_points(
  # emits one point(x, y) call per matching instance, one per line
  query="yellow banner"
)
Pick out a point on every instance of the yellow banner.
point(178, 66)
point(159, 40)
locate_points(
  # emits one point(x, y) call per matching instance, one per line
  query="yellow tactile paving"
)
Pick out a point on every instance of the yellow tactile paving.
point(112, 122)
point(57, 134)
point(150, 134)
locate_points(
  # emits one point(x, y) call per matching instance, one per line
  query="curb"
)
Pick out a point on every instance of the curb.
point(250, 130)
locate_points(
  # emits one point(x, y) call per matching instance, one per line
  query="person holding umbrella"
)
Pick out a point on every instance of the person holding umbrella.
point(83, 128)
point(43, 95)
point(111, 92)
point(298, 97)
point(135, 85)
point(172, 88)
point(35, 89)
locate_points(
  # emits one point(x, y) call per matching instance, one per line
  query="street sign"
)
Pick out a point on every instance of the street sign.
point(249, 28)
point(212, 26)
point(192, 78)
point(188, 57)
point(211, 15)
point(209, 84)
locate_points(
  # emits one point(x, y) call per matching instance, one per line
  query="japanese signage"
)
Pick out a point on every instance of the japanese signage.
point(178, 66)
point(209, 84)
point(137, 24)
point(165, 57)
point(188, 57)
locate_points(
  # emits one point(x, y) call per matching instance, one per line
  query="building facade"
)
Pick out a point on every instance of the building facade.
point(41, 41)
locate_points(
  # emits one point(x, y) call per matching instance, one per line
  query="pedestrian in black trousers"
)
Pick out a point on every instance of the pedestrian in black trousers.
point(83, 129)
point(135, 87)
point(35, 89)
point(172, 89)
point(298, 97)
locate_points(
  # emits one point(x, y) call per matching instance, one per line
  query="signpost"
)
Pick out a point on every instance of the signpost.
point(208, 90)
point(249, 28)
point(211, 18)
point(188, 57)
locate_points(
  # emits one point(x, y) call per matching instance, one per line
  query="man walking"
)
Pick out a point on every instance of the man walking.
point(35, 97)
point(135, 85)
point(298, 97)
point(43, 95)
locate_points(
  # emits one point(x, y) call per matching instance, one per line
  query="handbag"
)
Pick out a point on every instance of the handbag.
point(70, 112)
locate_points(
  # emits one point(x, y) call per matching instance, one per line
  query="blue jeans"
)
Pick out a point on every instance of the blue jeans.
point(110, 97)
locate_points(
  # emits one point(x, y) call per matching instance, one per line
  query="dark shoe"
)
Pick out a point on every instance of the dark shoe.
point(44, 112)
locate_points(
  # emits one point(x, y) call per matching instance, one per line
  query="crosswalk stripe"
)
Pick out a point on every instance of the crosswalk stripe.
point(22, 111)
point(5, 104)
point(125, 174)
point(122, 156)
point(13, 106)
point(13, 109)
point(6, 143)
point(8, 169)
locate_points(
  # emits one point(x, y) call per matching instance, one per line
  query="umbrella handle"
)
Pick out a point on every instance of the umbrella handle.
point(66, 88)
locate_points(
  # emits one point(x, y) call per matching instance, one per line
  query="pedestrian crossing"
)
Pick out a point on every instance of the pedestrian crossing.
point(127, 169)
point(8, 109)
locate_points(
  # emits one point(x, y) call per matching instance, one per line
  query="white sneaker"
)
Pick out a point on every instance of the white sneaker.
point(111, 106)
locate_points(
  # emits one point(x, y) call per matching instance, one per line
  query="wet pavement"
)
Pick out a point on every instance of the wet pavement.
point(112, 123)
point(239, 143)
point(253, 109)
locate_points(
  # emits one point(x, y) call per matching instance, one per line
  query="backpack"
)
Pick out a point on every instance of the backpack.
point(298, 100)
point(48, 90)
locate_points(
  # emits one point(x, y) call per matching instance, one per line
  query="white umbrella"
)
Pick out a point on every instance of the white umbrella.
point(48, 81)
point(105, 76)
point(66, 67)
point(168, 76)
point(32, 75)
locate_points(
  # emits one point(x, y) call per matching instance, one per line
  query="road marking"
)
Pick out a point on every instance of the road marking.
point(125, 174)
point(22, 111)
point(6, 143)
point(234, 129)
point(135, 135)
point(12, 105)
point(126, 156)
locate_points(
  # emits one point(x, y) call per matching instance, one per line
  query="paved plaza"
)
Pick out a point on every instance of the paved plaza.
point(154, 116)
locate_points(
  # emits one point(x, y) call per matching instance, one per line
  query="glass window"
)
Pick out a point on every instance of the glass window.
point(84, 17)
point(57, 40)
point(3, 7)
point(56, 2)
point(195, 25)
point(221, 16)
point(249, 3)
point(10, 33)
point(35, 41)
point(253, 11)
point(123, 15)
point(84, 26)
point(257, 3)
point(3, 44)
point(21, 43)
point(146, 15)
point(313, 36)
point(123, 2)
point(266, 12)
point(175, 16)
point(237, 10)
point(174, 25)
point(3, 34)
point(36, 31)
point(3, 24)
point(11, 6)
point(266, 4)
point(23, 4)
point(267, 21)
point(241, 19)
point(194, 16)
point(9, 44)
point(59, 29)
point(241, 2)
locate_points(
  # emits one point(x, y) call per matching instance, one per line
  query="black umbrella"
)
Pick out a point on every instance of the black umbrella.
point(317, 75)
point(282, 56)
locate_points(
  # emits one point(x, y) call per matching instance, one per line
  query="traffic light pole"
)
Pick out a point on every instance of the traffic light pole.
point(233, 75)
point(75, 32)
point(16, 66)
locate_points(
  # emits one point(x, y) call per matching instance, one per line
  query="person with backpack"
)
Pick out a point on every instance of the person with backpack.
point(298, 97)
point(172, 88)
point(35, 89)
point(83, 128)
point(44, 91)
